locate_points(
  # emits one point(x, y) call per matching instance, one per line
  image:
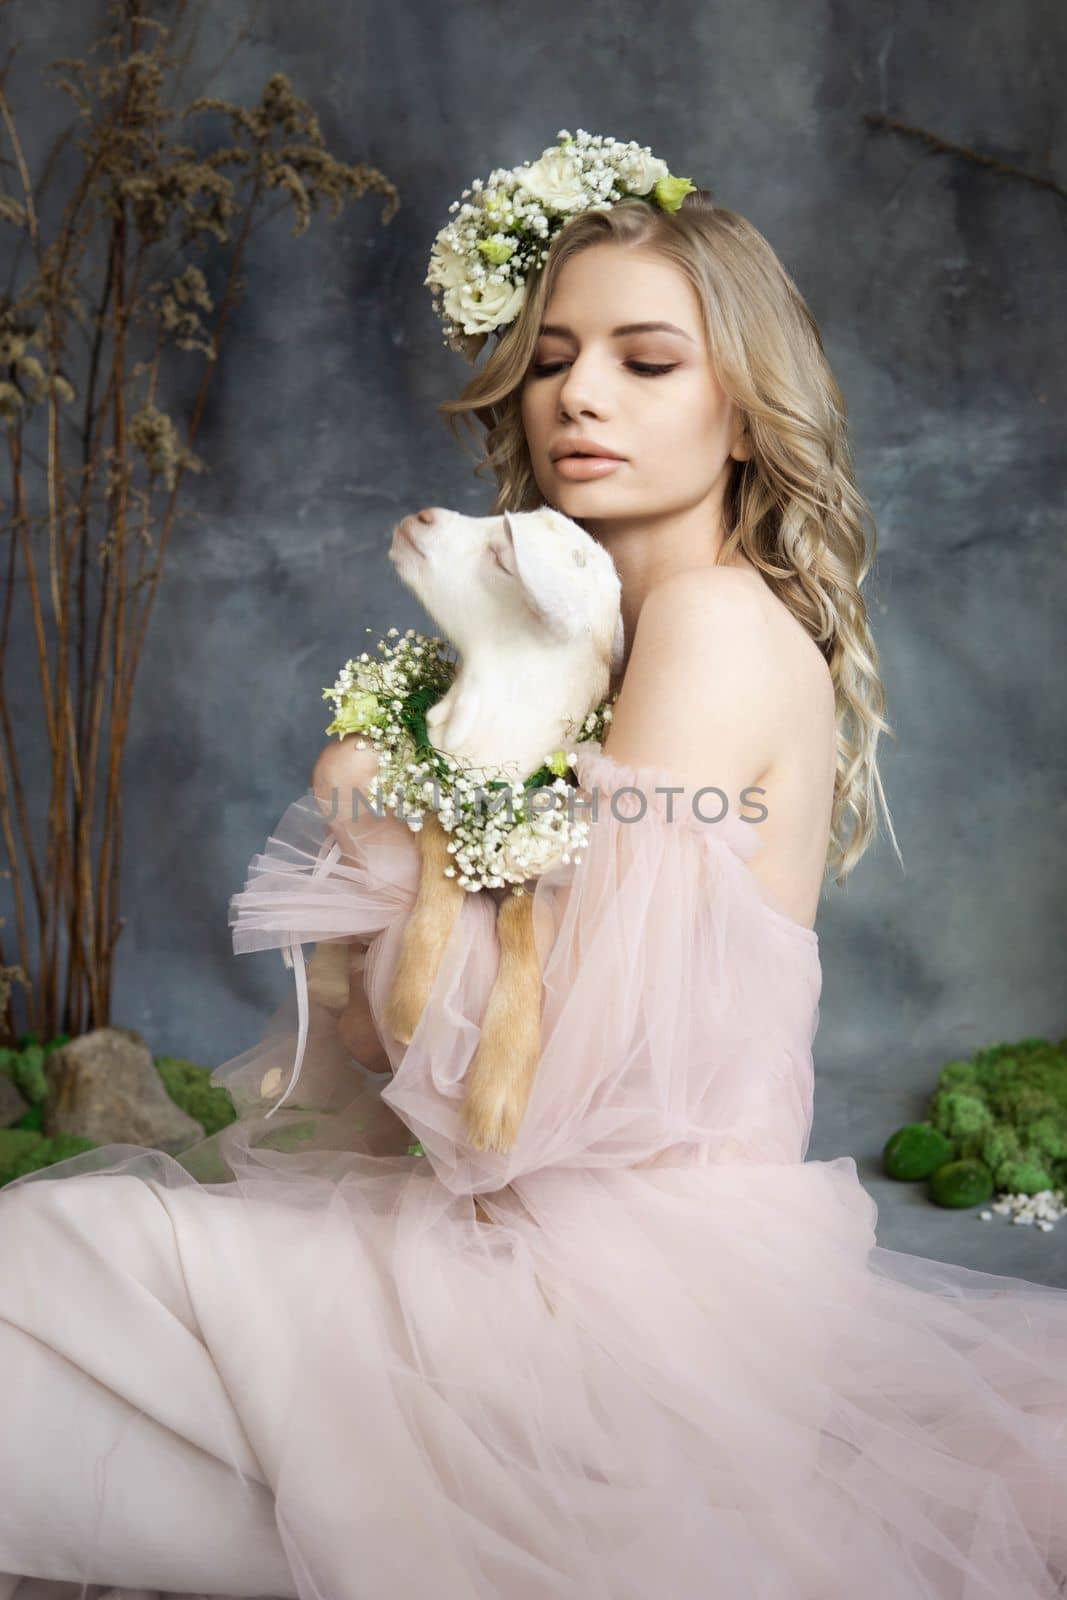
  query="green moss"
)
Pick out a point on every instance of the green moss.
point(25, 1065)
point(1003, 1112)
point(960, 1114)
point(189, 1086)
point(961, 1183)
point(23, 1150)
point(915, 1151)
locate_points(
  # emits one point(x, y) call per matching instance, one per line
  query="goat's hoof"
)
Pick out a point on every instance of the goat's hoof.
point(492, 1114)
point(402, 1018)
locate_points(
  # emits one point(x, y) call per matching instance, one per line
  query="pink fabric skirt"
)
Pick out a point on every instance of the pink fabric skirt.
point(651, 1351)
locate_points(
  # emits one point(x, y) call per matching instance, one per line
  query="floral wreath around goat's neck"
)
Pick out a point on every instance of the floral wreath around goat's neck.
point(505, 841)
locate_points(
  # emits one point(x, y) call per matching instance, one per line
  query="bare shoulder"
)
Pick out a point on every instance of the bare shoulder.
point(698, 694)
point(712, 612)
point(701, 587)
point(725, 687)
point(781, 662)
point(739, 605)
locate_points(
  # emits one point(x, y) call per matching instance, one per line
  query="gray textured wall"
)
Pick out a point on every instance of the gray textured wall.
point(939, 289)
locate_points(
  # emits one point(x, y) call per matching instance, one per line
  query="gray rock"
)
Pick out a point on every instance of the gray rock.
point(12, 1104)
point(105, 1087)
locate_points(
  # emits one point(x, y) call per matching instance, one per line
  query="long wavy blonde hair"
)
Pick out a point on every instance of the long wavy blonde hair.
point(793, 507)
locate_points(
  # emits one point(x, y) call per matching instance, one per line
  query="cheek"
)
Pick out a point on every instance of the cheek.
point(692, 423)
point(537, 427)
point(532, 412)
point(678, 420)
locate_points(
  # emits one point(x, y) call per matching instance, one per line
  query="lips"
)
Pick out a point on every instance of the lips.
point(566, 448)
point(585, 469)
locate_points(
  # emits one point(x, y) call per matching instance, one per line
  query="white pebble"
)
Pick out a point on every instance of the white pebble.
point(1044, 1208)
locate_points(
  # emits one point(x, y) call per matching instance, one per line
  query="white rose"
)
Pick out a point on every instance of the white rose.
point(480, 310)
point(556, 181)
point(643, 172)
point(540, 846)
point(447, 267)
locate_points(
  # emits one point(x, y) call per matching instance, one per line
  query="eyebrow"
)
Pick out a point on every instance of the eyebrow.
point(618, 333)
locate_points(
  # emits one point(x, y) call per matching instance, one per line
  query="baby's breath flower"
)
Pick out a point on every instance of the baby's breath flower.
point(498, 838)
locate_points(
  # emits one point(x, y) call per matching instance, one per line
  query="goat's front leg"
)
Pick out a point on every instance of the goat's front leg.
point(426, 933)
point(501, 1075)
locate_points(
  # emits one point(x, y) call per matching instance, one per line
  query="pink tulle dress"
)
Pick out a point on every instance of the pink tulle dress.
point(338, 1354)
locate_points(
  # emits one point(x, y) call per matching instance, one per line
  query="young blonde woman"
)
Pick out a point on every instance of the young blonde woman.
point(296, 1360)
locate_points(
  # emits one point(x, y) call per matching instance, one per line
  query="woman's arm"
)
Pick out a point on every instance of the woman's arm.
point(355, 1025)
point(335, 972)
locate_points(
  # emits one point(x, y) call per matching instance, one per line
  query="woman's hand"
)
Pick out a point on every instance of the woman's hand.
point(335, 981)
point(355, 1025)
point(327, 973)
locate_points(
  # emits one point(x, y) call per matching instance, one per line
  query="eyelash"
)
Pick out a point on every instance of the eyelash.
point(646, 369)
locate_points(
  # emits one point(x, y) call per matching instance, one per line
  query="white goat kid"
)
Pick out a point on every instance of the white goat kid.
point(531, 604)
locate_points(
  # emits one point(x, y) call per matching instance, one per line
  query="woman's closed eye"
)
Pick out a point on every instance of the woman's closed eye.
point(645, 368)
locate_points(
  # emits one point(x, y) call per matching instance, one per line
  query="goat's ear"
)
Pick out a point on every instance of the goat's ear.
point(618, 646)
point(546, 585)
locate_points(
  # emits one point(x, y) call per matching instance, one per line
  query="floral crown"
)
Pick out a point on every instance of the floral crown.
point(480, 262)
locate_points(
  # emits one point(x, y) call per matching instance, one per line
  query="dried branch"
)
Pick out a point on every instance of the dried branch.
point(108, 303)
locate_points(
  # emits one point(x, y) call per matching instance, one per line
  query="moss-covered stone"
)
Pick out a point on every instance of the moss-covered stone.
point(915, 1151)
point(959, 1184)
point(1006, 1109)
point(25, 1148)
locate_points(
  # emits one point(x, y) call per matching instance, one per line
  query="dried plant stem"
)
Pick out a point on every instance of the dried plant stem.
point(142, 200)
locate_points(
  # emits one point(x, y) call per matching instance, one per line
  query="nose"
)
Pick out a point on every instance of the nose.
point(430, 517)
